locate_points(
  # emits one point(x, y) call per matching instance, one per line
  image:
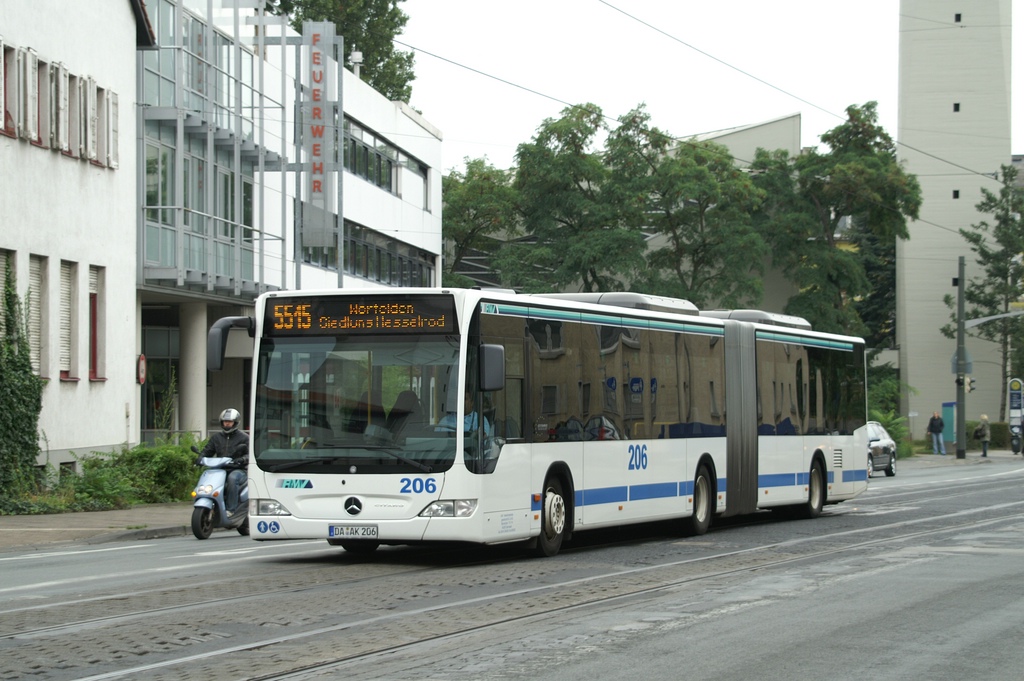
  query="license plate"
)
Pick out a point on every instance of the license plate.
point(353, 531)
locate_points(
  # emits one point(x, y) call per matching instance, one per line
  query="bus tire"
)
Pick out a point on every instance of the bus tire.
point(815, 492)
point(552, 518)
point(703, 494)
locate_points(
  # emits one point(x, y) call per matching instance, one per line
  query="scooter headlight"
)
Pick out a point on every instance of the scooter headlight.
point(204, 490)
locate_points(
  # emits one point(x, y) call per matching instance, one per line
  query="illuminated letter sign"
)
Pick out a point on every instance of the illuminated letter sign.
point(346, 315)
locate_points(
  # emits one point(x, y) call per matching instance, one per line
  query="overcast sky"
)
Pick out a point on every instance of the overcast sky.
point(488, 72)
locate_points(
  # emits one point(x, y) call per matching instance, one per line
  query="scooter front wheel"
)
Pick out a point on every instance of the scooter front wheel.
point(202, 522)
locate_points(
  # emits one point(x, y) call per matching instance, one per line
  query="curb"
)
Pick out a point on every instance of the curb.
point(139, 535)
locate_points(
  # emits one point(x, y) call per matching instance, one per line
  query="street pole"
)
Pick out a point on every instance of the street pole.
point(961, 364)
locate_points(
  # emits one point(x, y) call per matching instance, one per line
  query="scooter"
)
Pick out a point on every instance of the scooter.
point(210, 510)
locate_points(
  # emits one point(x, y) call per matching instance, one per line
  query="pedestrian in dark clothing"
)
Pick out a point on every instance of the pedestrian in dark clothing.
point(935, 427)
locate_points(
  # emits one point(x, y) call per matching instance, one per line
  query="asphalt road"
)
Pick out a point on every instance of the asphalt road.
point(916, 579)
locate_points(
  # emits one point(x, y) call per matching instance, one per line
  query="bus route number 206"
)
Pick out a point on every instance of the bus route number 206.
point(418, 486)
point(637, 457)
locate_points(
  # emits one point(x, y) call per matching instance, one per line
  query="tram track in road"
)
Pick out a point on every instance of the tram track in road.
point(391, 628)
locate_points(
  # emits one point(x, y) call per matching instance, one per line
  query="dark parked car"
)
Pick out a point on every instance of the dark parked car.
point(881, 450)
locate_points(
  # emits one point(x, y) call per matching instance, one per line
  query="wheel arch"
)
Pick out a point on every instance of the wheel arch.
point(561, 470)
point(708, 462)
point(819, 458)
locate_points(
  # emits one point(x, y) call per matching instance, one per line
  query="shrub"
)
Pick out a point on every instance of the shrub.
point(144, 474)
point(896, 426)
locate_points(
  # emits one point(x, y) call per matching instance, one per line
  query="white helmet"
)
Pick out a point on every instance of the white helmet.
point(231, 415)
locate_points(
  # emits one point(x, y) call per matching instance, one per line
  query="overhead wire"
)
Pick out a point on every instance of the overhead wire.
point(689, 139)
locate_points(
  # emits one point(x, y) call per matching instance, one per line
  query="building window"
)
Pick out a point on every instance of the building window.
point(96, 326)
point(68, 272)
point(35, 302)
point(956, 193)
point(956, 106)
point(956, 17)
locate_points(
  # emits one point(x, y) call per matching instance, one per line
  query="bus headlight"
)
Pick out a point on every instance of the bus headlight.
point(267, 507)
point(450, 508)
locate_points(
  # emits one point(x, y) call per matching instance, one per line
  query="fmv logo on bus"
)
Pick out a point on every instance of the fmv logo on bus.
point(295, 484)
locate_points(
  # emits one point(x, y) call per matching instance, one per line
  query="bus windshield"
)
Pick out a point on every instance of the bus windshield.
point(367, 403)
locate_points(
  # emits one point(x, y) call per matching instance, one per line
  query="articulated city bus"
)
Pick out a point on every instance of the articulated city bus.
point(443, 415)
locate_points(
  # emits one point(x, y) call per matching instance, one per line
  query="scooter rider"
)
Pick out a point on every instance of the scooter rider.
point(232, 442)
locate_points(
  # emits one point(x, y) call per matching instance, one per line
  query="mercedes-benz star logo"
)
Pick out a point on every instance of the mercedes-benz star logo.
point(353, 506)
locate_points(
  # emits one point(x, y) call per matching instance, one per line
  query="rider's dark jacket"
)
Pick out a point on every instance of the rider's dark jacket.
point(234, 444)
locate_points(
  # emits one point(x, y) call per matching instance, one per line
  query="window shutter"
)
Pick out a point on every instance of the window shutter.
point(31, 95)
point(91, 120)
point(80, 112)
point(113, 157)
point(34, 301)
point(66, 286)
point(17, 98)
point(63, 122)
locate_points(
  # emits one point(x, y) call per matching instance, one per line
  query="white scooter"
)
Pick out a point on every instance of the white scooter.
point(211, 508)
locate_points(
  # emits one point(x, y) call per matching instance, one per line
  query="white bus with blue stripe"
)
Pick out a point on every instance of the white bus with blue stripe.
point(443, 415)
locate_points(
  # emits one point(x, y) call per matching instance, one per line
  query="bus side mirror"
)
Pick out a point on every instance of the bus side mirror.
point(492, 367)
point(217, 339)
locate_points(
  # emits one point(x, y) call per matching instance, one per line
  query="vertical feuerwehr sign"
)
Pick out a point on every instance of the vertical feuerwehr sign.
point(318, 130)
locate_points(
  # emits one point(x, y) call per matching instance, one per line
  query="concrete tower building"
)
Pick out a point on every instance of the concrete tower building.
point(954, 134)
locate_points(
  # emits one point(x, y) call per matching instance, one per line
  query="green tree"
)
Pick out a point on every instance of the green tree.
point(21, 398)
point(876, 308)
point(369, 26)
point(998, 246)
point(479, 216)
point(697, 204)
point(808, 198)
point(578, 237)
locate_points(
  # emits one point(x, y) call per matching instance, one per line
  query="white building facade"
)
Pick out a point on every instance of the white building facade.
point(67, 191)
point(196, 214)
point(954, 134)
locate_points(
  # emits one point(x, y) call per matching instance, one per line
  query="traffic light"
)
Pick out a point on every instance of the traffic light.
point(969, 384)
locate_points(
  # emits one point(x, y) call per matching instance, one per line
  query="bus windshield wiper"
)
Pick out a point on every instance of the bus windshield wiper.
point(390, 452)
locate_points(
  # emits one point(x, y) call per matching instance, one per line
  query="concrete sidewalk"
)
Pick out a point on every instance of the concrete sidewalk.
point(43, 532)
point(154, 521)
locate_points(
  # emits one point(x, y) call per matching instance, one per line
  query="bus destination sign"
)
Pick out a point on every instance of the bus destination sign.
point(341, 315)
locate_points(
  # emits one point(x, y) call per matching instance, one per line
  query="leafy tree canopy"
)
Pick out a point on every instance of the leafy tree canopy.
point(810, 197)
point(696, 205)
point(369, 26)
point(479, 215)
point(580, 236)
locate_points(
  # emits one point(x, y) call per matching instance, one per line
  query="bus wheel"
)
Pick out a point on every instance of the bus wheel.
point(699, 522)
point(361, 548)
point(552, 518)
point(816, 492)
